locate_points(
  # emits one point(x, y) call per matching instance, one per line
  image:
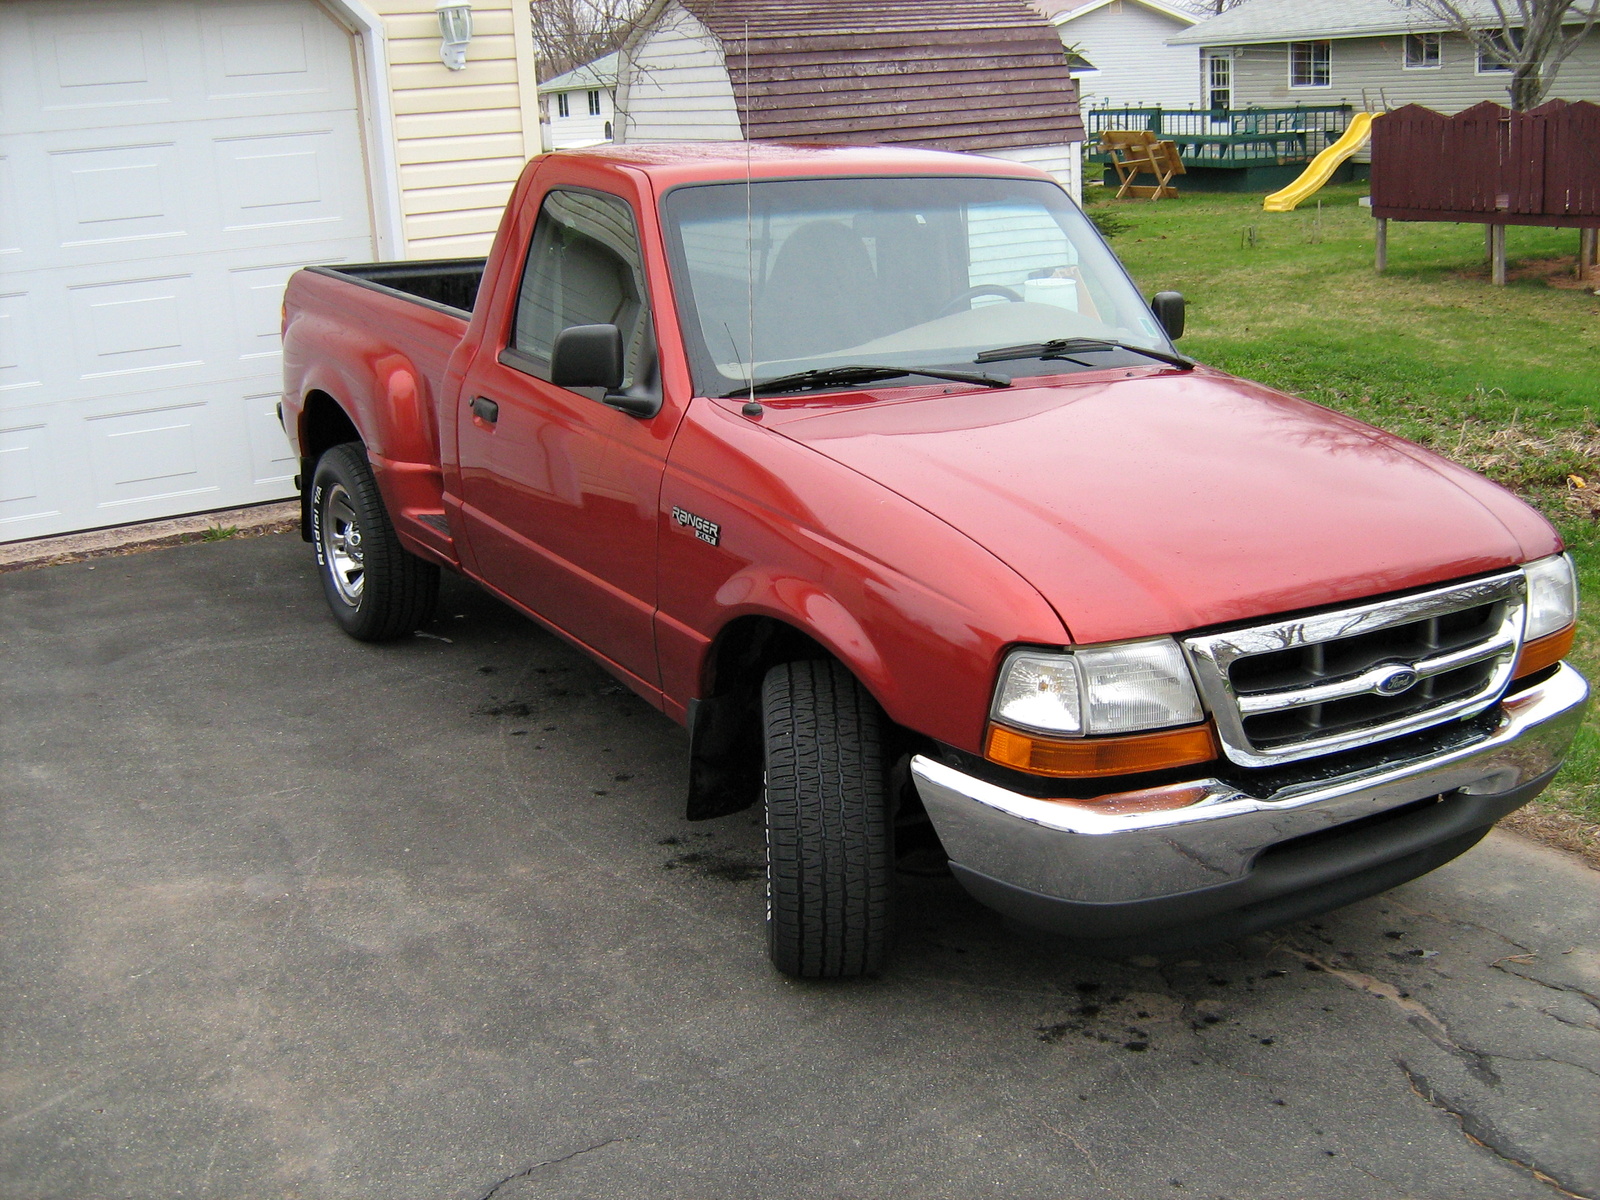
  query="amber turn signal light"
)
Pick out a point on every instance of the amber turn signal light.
point(1542, 652)
point(1086, 757)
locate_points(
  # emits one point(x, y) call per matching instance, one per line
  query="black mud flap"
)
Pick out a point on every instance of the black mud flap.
point(724, 756)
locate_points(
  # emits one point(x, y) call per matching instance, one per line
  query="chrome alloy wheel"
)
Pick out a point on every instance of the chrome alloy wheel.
point(341, 545)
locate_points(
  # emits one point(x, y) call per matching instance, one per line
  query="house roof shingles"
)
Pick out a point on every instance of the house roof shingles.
point(1261, 21)
point(967, 75)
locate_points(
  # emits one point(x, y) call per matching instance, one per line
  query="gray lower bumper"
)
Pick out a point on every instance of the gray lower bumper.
point(1098, 859)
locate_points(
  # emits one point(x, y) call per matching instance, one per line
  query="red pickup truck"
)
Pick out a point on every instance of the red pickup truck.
point(873, 468)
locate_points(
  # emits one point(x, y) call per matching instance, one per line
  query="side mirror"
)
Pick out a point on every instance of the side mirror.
point(587, 356)
point(1168, 308)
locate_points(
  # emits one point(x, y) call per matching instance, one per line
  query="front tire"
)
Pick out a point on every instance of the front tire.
point(378, 591)
point(829, 841)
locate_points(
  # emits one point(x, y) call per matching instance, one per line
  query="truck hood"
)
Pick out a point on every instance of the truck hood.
point(1160, 502)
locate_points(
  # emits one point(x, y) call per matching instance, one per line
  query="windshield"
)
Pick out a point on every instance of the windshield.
point(911, 272)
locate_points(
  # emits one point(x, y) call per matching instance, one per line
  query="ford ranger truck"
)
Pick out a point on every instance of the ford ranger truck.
point(873, 469)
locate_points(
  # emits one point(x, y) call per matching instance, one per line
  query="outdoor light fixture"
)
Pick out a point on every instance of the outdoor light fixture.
point(455, 31)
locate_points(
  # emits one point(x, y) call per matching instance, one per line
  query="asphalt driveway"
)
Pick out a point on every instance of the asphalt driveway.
point(290, 916)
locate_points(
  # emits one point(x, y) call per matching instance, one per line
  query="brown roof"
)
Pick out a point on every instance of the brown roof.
point(951, 74)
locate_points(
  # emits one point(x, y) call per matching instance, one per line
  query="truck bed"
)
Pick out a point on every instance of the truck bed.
point(450, 284)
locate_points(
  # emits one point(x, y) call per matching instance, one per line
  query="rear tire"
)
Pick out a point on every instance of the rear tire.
point(377, 590)
point(830, 855)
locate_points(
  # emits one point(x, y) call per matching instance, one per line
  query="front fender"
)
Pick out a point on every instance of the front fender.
point(920, 613)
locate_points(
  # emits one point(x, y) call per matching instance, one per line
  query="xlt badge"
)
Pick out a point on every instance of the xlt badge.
point(705, 530)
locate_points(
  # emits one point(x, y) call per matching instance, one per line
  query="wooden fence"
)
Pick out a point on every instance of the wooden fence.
point(1488, 165)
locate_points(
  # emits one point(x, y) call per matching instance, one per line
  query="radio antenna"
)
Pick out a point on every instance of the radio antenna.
point(752, 406)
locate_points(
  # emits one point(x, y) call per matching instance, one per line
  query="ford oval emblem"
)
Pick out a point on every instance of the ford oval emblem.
point(1396, 680)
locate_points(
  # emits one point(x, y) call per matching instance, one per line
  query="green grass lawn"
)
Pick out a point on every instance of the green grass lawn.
point(1505, 380)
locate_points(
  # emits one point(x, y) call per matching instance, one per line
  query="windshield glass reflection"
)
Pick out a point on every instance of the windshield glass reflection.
point(783, 276)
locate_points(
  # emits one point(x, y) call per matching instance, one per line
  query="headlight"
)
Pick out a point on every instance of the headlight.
point(1552, 596)
point(1123, 688)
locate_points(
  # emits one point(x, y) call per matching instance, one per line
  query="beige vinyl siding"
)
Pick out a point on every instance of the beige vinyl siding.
point(461, 137)
point(1376, 65)
point(673, 86)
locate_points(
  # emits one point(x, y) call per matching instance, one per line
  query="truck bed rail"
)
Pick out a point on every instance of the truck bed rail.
point(449, 284)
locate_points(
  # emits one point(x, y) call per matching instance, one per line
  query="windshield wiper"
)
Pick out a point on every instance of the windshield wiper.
point(1067, 347)
point(845, 376)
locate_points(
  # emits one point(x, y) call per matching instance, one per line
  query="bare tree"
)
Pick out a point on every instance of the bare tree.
point(569, 33)
point(1531, 38)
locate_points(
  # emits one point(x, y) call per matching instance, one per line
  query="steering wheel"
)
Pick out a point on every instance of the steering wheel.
point(964, 299)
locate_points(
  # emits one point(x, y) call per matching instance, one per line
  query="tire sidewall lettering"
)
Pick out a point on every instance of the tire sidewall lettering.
point(316, 525)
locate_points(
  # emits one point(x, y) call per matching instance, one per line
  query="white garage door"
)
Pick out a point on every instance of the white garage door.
point(164, 167)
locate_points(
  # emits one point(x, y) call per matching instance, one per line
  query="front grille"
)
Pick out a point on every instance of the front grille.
point(1348, 677)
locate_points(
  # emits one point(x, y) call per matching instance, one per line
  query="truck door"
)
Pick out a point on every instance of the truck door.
point(559, 491)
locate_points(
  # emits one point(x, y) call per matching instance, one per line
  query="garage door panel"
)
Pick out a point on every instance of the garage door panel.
point(170, 450)
point(20, 358)
point(117, 193)
point(136, 325)
point(118, 59)
point(64, 66)
point(292, 178)
point(272, 461)
point(24, 466)
point(257, 296)
point(10, 214)
point(222, 187)
point(145, 455)
point(254, 50)
point(81, 332)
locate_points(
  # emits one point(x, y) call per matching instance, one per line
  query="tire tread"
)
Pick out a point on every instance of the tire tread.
point(829, 851)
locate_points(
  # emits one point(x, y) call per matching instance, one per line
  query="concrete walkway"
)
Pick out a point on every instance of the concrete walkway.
point(290, 916)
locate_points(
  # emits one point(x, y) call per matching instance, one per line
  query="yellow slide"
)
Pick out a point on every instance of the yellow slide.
point(1322, 166)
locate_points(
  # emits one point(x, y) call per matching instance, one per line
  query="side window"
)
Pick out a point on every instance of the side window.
point(583, 268)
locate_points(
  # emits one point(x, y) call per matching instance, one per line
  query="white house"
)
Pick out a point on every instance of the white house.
point(986, 76)
point(1126, 60)
point(578, 107)
point(165, 165)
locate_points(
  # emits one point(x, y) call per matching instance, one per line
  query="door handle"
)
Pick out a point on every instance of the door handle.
point(485, 409)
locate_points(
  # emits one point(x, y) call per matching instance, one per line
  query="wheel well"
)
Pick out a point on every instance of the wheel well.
point(749, 647)
point(324, 425)
point(725, 723)
point(725, 750)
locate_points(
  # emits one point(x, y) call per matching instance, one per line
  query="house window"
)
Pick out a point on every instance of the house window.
point(1487, 60)
point(1219, 82)
point(1422, 51)
point(562, 109)
point(1310, 64)
point(594, 104)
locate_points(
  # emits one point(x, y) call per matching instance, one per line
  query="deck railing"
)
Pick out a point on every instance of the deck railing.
point(1230, 137)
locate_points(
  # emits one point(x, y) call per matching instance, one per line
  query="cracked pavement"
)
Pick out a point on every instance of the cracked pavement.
point(288, 916)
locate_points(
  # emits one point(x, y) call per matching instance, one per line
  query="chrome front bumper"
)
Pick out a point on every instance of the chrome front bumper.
point(1088, 858)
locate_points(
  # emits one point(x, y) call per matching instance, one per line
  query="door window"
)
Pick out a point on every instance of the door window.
point(1219, 94)
point(583, 268)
